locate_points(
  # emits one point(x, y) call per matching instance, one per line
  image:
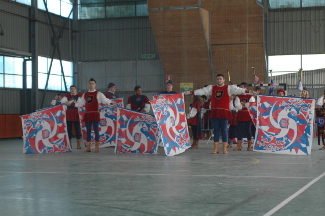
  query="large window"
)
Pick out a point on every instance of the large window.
point(274, 4)
point(292, 63)
point(95, 9)
point(11, 73)
point(59, 7)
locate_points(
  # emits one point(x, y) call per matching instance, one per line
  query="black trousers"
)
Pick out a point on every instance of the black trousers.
point(194, 132)
point(244, 130)
point(76, 127)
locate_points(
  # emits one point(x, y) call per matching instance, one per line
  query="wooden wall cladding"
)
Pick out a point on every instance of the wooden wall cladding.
point(10, 126)
point(236, 39)
point(182, 46)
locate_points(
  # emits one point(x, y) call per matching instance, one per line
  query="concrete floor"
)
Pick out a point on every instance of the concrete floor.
point(193, 183)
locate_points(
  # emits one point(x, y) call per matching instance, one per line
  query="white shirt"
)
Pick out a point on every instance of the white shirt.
point(232, 89)
point(64, 100)
point(237, 106)
point(320, 101)
point(100, 97)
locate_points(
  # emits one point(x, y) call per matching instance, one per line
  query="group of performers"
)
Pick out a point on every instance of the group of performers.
point(228, 105)
point(221, 107)
point(91, 100)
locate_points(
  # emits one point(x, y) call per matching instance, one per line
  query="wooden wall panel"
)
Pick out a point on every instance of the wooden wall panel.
point(236, 40)
point(2, 126)
point(10, 126)
point(182, 45)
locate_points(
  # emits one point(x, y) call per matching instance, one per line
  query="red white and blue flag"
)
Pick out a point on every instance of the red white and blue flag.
point(170, 114)
point(252, 109)
point(256, 79)
point(137, 132)
point(271, 87)
point(107, 125)
point(45, 131)
point(284, 125)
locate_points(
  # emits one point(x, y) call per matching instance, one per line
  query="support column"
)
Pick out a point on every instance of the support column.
point(34, 52)
point(74, 41)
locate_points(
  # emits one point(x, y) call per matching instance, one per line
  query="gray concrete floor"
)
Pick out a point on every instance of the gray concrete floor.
point(193, 183)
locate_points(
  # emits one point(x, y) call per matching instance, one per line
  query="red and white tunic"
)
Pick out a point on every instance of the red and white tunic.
point(91, 100)
point(243, 114)
point(72, 111)
point(220, 108)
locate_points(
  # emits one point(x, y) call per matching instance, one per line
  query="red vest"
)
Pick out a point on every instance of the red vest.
point(243, 114)
point(220, 103)
point(91, 106)
point(72, 111)
point(194, 120)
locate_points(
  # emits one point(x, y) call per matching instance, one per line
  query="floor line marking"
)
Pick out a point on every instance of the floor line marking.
point(286, 201)
point(158, 174)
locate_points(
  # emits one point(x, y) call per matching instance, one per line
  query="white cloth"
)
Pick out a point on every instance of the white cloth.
point(252, 99)
point(237, 106)
point(192, 112)
point(100, 97)
point(232, 89)
point(64, 100)
point(320, 101)
point(53, 102)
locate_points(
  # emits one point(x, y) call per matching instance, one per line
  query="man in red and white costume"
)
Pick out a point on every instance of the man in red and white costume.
point(220, 108)
point(91, 100)
point(244, 119)
point(70, 100)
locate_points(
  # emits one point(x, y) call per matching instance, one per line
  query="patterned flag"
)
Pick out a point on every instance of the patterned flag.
point(170, 114)
point(137, 132)
point(252, 109)
point(107, 124)
point(256, 79)
point(271, 87)
point(284, 125)
point(45, 131)
point(299, 86)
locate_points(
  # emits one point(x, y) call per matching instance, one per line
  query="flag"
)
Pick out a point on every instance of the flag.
point(284, 125)
point(299, 86)
point(107, 125)
point(137, 132)
point(170, 114)
point(256, 79)
point(252, 109)
point(271, 87)
point(45, 131)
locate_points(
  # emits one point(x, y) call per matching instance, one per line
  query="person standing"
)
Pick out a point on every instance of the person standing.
point(195, 121)
point(138, 102)
point(281, 92)
point(235, 105)
point(220, 108)
point(320, 102)
point(305, 93)
point(70, 100)
point(91, 100)
point(57, 100)
point(110, 94)
point(244, 120)
point(169, 88)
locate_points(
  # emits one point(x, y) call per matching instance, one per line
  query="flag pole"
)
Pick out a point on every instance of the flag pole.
point(271, 82)
point(229, 77)
point(300, 71)
point(254, 74)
